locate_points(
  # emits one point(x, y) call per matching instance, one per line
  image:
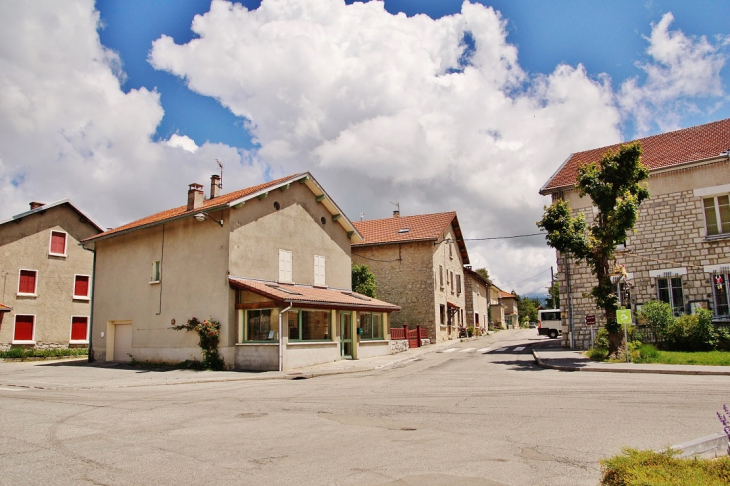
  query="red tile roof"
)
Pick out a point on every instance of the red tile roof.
point(311, 296)
point(183, 210)
point(5, 308)
point(659, 151)
point(506, 295)
point(422, 227)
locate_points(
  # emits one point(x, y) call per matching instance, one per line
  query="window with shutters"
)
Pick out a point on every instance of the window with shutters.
point(319, 271)
point(24, 330)
point(458, 284)
point(81, 287)
point(79, 330)
point(58, 243)
point(285, 266)
point(28, 282)
point(717, 214)
point(441, 277)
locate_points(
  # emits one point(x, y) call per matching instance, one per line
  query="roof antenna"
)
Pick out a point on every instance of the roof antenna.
point(362, 215)
point(220, 184)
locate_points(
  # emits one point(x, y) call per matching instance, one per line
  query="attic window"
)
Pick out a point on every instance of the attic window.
point(357, 296)
point(404, 230)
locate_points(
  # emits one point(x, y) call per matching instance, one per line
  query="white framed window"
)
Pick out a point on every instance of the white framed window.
point(669, 290)
point(285, 266)
point(319, 271)
point(58, 243)
point(441, 277)
point(24, 329)
point(79, 330)
point(82, 287)
point(27, 282)
point(451, 250)
point(721, 294)
point(156, 272)
point(717, 214)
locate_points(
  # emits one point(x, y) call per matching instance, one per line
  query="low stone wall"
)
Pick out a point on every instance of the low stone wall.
point(41, 345)
point(425, 342)
point(398, 345)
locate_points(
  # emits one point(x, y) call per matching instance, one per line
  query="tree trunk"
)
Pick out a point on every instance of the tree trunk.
point(615, 344)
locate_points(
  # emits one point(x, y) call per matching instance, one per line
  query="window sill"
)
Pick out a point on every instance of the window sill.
point(376, 341)
point(86, 341)
point(57, 255)
point(721, 236)
point(22, 342)
point(154, 282)
point(78, 297)
point(310, 343)
point(258, 343)
point(20, 294)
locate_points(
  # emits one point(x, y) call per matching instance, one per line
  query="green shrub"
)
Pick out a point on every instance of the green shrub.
point(648, 351)
point(23, 353)
point(722, 337)
point(692, 332)
point(658, 316)
point(643, 468)
point(597, 354)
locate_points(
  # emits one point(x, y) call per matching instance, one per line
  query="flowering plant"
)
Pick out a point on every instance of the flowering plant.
point(725, 420)
point(209, 331)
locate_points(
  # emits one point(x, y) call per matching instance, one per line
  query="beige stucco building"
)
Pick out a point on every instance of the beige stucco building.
point(511, 316)
point(418, 262)
point(476, 299)
point(680, 250)
point(271, 263)
point(46, 277)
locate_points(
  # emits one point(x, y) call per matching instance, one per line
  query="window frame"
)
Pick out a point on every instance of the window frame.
point(244, 337)
point(15, 323)
point(299, 311)
point(458, 284)
point(726, 293)
point(670, 292)
point(65, 244)
point(441, 276)
point(380, 325)
point(88, 287)
point(71, 331)
point(35, 283)
point(721, 229)
point(156, 272)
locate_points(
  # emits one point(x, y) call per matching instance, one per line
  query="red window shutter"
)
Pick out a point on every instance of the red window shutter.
point(27, 282)
point(58, 242)
point(81, 286)
point(78, 328)
point(23, 328)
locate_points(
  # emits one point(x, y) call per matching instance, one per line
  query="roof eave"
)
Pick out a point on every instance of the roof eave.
point(48, 206)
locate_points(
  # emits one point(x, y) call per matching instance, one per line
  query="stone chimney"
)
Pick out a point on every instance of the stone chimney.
point(195, 196)
point(36, 205)
point(396, 213)
point(215, 186)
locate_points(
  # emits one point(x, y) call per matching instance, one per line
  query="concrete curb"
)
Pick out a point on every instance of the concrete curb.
point(715, 445)
point(635, 368)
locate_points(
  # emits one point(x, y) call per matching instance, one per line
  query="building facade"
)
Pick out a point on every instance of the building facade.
point(476, 300)
point(270, 263)
point(46, 277)
point(418, 262)
point(679, 252)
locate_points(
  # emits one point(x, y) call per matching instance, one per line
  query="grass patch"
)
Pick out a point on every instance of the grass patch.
point(22, 353)
point(640, 468)
point(709, 358)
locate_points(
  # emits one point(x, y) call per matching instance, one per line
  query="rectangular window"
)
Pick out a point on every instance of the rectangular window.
point(452, 282)
point(81, 287)
point(27, 282)
point(156, 272)
point(441, 277)
point(442, 314)
point(458, 284)
point(79, 330)
point(717, 214)
point(319, 272)
point(451, 251)
point(669, 290)
point(308, 325)
point(58, 244)
point(721, 293)
point(285, 273)
point(24, 332)
point(372, 325)
point(260, 326)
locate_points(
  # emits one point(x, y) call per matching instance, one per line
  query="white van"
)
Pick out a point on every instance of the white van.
point(548, 323)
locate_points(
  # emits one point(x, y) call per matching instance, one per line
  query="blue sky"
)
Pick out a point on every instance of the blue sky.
point(606, 37)
point(120, 105)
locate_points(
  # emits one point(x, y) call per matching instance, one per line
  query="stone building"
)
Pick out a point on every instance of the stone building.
point(418, 262)
point(476, 299)
point(680, 250)
point(511, 313)
point(46, 277)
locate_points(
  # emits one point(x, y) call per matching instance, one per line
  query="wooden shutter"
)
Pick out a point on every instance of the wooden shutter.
point(285, 264)
point(81, 286)
point(58, 242)
point(23, 328)
point(319, 270)
point(27, 282)
point(79, 328)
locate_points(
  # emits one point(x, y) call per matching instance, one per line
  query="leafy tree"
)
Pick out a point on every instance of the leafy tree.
point(527, 308)
point(363, 280)
point(614, 185)
point(553, 301)
point(483, 272)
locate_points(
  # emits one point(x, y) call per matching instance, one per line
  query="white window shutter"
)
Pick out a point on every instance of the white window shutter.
point(285, 266)
point(319, 270)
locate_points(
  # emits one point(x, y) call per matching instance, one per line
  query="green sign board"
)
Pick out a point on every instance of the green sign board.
point(623, 316)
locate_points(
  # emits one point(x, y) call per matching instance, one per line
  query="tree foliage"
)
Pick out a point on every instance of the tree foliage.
point(527, 309)
point(483, 272)
point(614, 184)
point(363, 280)
point(553, 300)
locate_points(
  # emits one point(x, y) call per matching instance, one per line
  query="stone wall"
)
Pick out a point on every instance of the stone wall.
point(669, 239)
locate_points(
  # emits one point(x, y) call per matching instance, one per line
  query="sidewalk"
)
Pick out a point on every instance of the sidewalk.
point(551, 355)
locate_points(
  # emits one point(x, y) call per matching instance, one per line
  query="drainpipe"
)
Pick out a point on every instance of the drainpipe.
point(570, 301)
point(281, 336)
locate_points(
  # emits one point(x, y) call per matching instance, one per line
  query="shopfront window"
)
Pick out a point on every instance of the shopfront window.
point(372, 325)
point(260, 326)
point(308, 325)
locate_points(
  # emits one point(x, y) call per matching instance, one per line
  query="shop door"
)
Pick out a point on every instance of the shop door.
point(346, 335)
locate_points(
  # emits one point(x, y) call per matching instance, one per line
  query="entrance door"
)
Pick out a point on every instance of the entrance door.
point(122, 342)
point(346, 335)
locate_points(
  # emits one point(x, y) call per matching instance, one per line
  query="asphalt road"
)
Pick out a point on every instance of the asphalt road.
point(472, 416)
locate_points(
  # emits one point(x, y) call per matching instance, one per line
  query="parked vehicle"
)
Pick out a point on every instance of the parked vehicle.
point(549, 323)
point(533, 325)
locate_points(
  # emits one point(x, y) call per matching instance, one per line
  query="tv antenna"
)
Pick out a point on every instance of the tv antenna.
point(220, 184)
point(396, 204)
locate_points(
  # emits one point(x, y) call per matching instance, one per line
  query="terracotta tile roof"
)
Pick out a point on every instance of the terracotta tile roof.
point(422, 227)
point(5, 308)
point(183, 210)
point(659, 151)
point(506, 295)
point(475, 275)
point(312, 296)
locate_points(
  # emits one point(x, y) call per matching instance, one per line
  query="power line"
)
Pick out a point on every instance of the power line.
point(503, 237)
point(525, 280)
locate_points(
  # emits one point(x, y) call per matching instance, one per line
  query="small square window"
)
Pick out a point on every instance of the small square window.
point(81, 287)
point(28, 282)
point(58, 243)
point(79, 330)
point(24, 331)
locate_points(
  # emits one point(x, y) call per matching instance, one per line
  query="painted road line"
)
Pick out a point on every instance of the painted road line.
point(467, 350)
point(502, 348)
point(450, 350)
point(483, 350)
point(519, 348)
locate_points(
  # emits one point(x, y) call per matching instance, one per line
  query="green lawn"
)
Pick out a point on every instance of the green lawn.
point(711, 358)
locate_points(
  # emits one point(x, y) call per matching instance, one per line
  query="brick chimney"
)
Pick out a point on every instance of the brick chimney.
point(215, 186)
point(36, 205)
point(396, 213)
point(195, 196)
